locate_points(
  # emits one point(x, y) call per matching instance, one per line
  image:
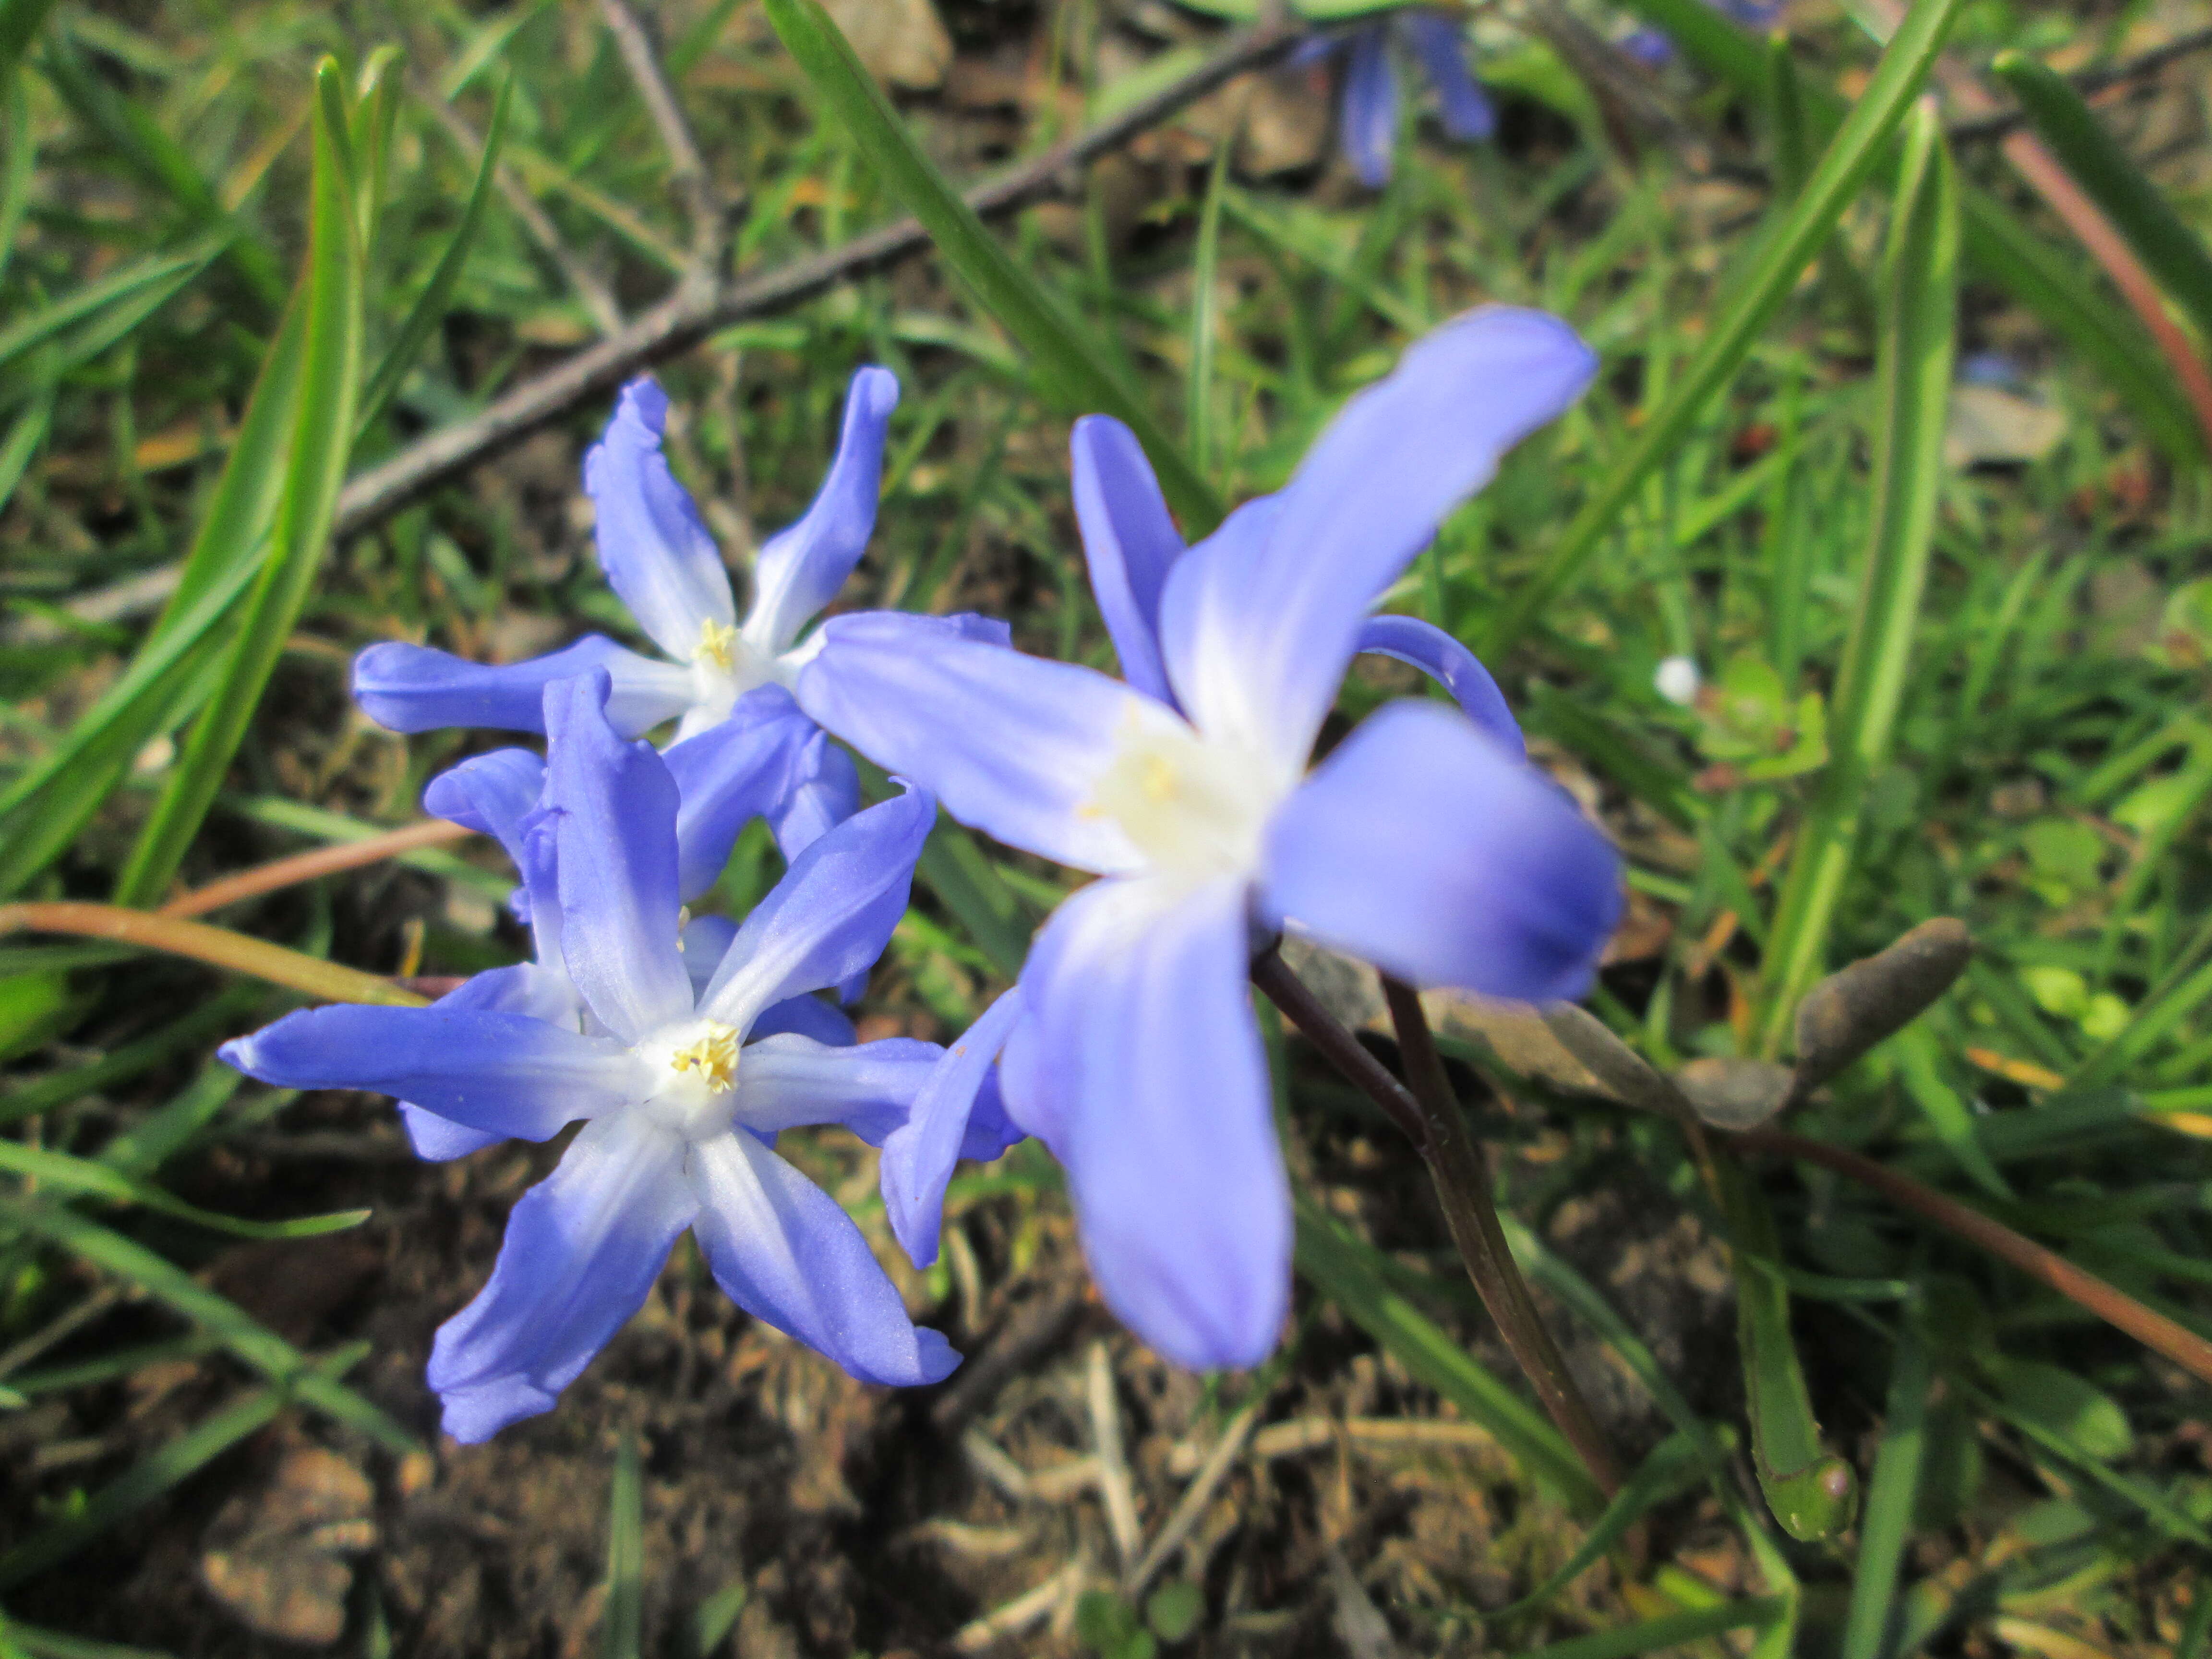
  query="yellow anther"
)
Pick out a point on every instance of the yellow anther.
point(718, 643)
point(1159, 783)
point(714, 1056)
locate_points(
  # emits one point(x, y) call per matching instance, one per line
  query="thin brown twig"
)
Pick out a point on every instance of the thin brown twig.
point(687, 167)
point(692, 313)
point(1461, 1175)
point(2116, 1307)
point(219, 947)
point(307, 867)
point(1338, 1046)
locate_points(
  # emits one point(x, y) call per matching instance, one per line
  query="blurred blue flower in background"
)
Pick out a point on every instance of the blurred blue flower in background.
point(1424, 843)
point(1369, 115)
point(663, 1056)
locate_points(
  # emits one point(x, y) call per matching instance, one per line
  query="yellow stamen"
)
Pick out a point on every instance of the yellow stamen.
point(714, 1056)
point(718, 643)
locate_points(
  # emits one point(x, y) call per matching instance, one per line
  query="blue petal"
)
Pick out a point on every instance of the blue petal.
point(583, 1248)
point(822, 791)
point(1434, 852)
point(806, 1017)
point(919, 1156)
point(612, 806)
point(787, 1081)
point(789, 1255)
point(1441, 47)
point(412, 688)
point(497, 795)
point(1010, 744)
point(1258, 621)
point(501, 1074)
point(1451, 665)
point(1129, 541)
point(800, 570)
point(655, 550)
point(1370, 107)
point(732, 772)
point(1163, 1114)
point(526, 988)
point(830, 917)
point(706, 942)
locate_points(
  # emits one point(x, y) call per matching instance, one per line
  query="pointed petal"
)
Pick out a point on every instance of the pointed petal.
point(920, 1153)
point(653, 546)
point(495, 795)
point(525, 988)
point(1164, 1120)
point(1258, 621)
point(787, 1081)
point(612, 806)
point(1441, 47)
point(1370, 107)
point(706, 942)
point(801, 568)
point(500, 1073)
point(412, 688)
point(830, 917)
point(732, 772)
point(1011, 744)
point(1129, 541)
point(1431, 851)
point(1451, 665)
point(582, 1249)
point(787, 1254)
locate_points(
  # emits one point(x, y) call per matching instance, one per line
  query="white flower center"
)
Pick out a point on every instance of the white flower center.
point(725, 665)
point(1192, 808)
point(694, 1068)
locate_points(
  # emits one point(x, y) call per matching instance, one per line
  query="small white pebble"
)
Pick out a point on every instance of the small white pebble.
point(1677, 680)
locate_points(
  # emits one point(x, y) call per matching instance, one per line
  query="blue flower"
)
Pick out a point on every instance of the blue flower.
point(659, 556)
point(1369, 116)
point(666, 1062)
point(1424, 842)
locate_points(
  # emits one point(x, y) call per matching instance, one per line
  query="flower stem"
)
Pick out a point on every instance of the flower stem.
point(1430, 1118)
point(1462, 1175)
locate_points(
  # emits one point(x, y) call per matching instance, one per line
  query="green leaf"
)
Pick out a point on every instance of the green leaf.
point(32, 1008)
point(1204, 323)
point(1173, 1610)
point(1914, 351)
point(221, 1318)
point(2063, 1403)
point(1669, 1630)
point(165, 1469)
point(77, 1175)
point(1755, 294)
point(1344, 1270)
point(430, 308)
point(1811, 1492)
point(2175, 254)
point(621, 1632)
point(20, 23)
point(1893, 1496)
point(1070, 368)
point(321, 440)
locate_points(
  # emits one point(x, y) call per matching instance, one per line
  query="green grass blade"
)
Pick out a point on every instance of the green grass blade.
point(1756, 296)
point(622, 1633)
point(430, 308)
point(2137, 206)
point(321, 440)
point(133, 1058)
point(1675, 1464)
point(221, 1318)
point(20, 23)
point(1669, 1630)
point(1205, 322)
point(1069, 367)
point(48, 321)
point(15, 171)
point(40, 1643)
point(1914, 352)
point(175, 669)
point(1886, 1527)
point(1339, 1267)
point(77, 1175)
point(177, 1461)
point(1809, 1491)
